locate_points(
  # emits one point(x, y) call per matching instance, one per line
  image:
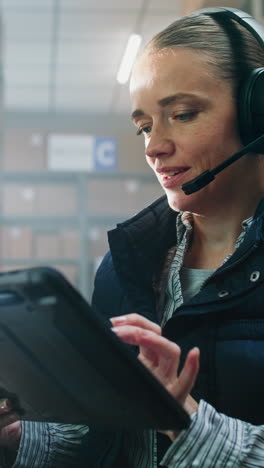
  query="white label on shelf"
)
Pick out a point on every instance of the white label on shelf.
point(70, 152)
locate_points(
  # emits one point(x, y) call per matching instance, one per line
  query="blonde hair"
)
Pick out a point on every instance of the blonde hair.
point(228, 47)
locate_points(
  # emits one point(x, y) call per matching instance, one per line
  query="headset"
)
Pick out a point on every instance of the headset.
point(251, 93)
point(250, 99)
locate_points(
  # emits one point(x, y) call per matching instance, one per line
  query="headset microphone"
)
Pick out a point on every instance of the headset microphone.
point(206, 177)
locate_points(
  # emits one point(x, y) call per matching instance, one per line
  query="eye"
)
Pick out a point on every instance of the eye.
point(144, 130)
point(185, 116)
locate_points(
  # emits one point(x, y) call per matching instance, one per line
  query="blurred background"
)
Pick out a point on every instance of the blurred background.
point(71, 163)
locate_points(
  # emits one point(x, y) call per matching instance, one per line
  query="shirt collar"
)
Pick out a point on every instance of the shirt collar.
point(184, 221)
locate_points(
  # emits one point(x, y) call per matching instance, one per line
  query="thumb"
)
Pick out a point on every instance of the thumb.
point(185, 382)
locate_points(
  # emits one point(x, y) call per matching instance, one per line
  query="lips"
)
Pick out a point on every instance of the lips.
point(171, 177)
point(168, 175)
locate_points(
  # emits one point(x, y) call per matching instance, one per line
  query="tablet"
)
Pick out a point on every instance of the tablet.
point(60, 361)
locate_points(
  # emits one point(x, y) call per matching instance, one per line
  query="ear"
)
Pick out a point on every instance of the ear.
point(251, 106)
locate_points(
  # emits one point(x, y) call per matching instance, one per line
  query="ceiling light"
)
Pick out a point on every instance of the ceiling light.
point(128, 59)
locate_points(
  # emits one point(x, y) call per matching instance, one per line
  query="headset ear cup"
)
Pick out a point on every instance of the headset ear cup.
point(251, 106)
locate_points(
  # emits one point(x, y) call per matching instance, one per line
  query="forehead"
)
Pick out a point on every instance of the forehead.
point(167, 71)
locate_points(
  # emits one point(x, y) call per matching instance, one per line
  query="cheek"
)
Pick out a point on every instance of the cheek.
point(224, 138)
point(206, 150)
point(150, 162)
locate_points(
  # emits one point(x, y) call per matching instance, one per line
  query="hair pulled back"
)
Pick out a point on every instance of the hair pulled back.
point(228, 47)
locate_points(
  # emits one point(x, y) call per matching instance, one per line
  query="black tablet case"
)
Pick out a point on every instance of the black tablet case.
point(64, 363)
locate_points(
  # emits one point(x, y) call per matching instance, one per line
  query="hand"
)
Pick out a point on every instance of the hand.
point(10, 427)
point(161, 357)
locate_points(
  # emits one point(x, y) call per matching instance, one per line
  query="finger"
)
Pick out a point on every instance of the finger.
point(164, 367)
point(149, 358)
point(136, 320)
point(5, 406)
point(154, 348)
point(8, 418)
point(134, 335)
point(10, 435)
point(168, 358)
point(141, 337)
point(187, 376)
point(7, 414)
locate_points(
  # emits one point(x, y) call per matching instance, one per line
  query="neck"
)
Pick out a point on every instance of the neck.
point(214, 237)
point(217, 227)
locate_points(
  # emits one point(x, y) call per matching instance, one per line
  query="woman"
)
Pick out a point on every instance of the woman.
point(204, 250)
point(192, 263)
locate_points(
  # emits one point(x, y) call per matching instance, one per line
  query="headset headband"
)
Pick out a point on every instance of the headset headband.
point(241, 17)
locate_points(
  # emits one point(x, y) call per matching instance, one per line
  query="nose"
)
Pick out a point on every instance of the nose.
point(159, 145)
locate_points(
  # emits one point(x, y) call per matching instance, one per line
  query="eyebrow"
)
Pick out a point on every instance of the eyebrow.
point(164, 102)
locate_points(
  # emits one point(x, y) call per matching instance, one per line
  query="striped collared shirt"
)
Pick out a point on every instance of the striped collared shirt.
point(213, 440)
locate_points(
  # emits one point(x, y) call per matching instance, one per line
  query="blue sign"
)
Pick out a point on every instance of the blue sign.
point(105, 153)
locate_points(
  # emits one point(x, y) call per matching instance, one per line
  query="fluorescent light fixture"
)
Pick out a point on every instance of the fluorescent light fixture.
point(129, 57)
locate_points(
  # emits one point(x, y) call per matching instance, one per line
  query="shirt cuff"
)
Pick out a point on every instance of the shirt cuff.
point(34, 443)
point(212, 439)
point(46, 445)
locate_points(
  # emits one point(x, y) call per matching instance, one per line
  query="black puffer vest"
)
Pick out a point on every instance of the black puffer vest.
point(225, 319)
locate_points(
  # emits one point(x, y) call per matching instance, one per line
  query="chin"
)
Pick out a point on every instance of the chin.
point(180, 202)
